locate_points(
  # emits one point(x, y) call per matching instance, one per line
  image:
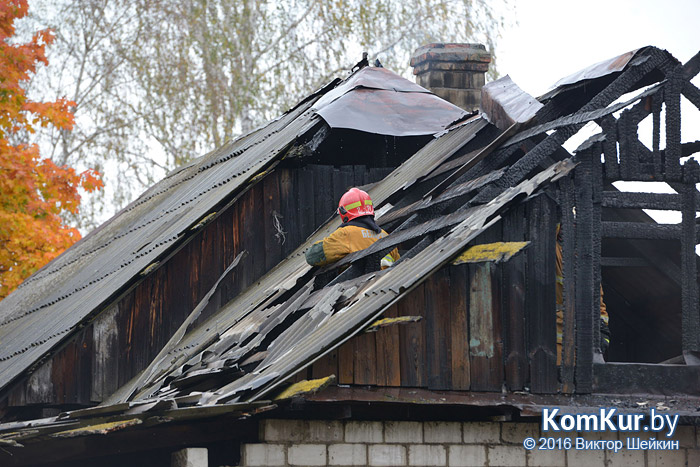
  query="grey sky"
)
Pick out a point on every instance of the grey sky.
point(556, 38)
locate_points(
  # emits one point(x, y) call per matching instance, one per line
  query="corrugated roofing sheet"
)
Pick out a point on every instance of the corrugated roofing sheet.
point(605, 67)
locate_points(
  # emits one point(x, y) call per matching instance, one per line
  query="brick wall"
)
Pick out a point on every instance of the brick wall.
point(404, 443)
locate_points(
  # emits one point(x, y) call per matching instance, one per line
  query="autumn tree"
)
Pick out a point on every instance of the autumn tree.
point(159, 82)
point(34, 192)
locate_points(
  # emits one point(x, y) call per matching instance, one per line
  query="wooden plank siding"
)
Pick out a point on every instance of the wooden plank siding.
point(516, 363)
point(387, 341)
point(459, 327)
point(481, 329)
point(124, 338)
point(437, 330)
point(412, 346)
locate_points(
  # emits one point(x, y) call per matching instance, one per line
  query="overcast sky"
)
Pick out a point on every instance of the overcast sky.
point(554, 38)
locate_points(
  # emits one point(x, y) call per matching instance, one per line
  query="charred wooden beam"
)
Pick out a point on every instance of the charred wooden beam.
point(672, 97)
point(516, 361)
point(568, 338)
point(628, 144)
point(689, 298)
point(626, 80)
point(692, 93)
point(622, 262)
point(644, 378)
point(640, 230)
point(691, 67)
point(597, 195)
point(612, 165)
point(656, 107)
point(585, 274)
point(663, 201)
point(540, 301)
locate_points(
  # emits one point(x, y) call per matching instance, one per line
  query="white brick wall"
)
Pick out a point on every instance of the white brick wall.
point(387, 454)
point(307, 454)
point(553, 458)
point(466, 456)
point(437, 443)
point(347, 454)
point(507, 456)
point(625, 458)
point(403, 432)
point(442, 432)
point(363, 432)
point(481, 433)
point(263, 455)
point(427, 454)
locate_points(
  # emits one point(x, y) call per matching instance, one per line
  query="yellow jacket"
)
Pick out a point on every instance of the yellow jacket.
point(347, 239)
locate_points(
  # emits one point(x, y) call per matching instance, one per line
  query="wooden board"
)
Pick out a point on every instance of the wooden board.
point(346, 353)
point(388, 358)
point(326, 366)
point(459, 327)
point(516, 366)
point(540, 316)
point(365, 359)
point(412, 340)
point(485, 344)
point(437, 330)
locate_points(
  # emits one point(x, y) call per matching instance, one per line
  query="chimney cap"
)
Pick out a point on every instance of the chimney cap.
point(451, 52)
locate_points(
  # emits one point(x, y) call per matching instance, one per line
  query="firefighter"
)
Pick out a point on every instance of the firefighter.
point(604, 330)
point(357, 232)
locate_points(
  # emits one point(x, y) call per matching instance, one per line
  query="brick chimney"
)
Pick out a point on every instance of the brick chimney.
point(455, 72)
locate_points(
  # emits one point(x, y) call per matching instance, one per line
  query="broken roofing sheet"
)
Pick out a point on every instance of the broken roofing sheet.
point(233, 338)
point(376, 100)
point(228, 327)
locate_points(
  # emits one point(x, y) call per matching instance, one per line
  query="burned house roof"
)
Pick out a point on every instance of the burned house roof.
point(56, 300)
point(437, 202)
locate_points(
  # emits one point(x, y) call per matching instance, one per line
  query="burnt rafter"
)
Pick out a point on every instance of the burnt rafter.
point(635, 162)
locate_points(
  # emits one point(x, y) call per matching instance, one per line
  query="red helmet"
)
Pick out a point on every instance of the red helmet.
point(355, 203)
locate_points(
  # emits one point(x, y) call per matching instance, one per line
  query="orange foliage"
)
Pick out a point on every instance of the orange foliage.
point(34, 192)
